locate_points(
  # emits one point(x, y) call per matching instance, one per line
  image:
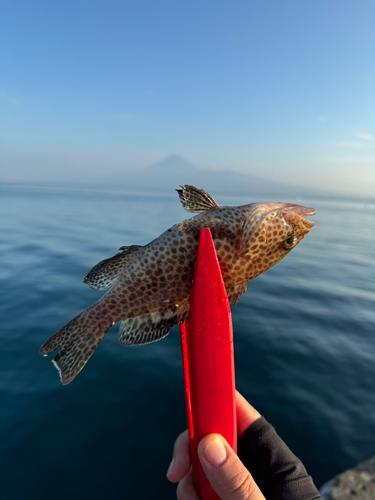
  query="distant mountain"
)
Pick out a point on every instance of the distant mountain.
point(170, 173)
point(173, 171)
point(173, 165)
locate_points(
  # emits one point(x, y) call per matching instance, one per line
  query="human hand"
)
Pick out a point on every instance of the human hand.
point(224, 470)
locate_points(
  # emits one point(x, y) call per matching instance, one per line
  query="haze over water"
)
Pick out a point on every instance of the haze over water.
point(304, 346)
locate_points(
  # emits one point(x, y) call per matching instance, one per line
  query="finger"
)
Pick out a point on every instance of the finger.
point(246, 414)
point(225, 471)
point(186, 489)
point(181, 460)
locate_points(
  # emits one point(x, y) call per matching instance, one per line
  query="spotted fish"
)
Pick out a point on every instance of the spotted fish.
point(151, 284)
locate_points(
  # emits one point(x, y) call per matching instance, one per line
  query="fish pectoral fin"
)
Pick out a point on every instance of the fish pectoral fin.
point(130, 249)
point(106, 272)
point(148, 328)
point(195, 200)
point(218, 227)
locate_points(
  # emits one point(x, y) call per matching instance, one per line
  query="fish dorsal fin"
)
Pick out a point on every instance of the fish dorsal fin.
point(106, 272)
point(195, 200)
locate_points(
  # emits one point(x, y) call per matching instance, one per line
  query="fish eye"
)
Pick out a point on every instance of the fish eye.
point(289, 242)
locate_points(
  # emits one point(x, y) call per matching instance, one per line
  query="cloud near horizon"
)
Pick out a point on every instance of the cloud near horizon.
point(364, 136)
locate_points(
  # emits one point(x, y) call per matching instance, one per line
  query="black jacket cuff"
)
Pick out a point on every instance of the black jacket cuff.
point(278, 472)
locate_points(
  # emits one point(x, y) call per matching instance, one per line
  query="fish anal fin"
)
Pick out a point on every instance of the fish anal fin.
point(150, 327)
point(105, 273)
point(195, 200)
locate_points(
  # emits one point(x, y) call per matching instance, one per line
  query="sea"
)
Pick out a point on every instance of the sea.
point(304, 336)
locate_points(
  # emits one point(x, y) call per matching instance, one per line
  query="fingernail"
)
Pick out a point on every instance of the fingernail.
point(215, 452)
point(172, 466)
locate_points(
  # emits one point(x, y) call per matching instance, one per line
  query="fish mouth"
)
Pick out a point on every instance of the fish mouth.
point(307, 224)
point(306, 212)
point(296, 214)
point(300, 210)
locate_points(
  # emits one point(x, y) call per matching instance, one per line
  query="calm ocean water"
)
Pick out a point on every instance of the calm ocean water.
point(304, 347)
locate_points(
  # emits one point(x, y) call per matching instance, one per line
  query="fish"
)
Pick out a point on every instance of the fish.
point(150, 286)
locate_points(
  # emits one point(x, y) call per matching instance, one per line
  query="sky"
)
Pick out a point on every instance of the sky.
point(281, 89)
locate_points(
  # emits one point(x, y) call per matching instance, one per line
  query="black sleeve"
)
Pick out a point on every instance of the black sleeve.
point(278, 472)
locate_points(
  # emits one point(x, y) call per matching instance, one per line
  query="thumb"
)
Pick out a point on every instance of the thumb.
point(225, 471)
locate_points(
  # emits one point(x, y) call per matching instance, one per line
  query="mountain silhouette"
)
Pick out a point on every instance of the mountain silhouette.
point(174, 170)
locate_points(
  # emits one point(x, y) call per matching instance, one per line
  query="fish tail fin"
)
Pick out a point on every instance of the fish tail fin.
point(77, 340)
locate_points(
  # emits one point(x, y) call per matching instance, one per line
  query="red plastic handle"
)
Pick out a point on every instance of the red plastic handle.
point(208, 362)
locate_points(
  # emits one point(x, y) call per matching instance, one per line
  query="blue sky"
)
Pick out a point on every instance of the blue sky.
point(282, 89)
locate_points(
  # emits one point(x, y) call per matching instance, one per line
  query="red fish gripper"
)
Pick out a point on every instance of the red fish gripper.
point(207, 360)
